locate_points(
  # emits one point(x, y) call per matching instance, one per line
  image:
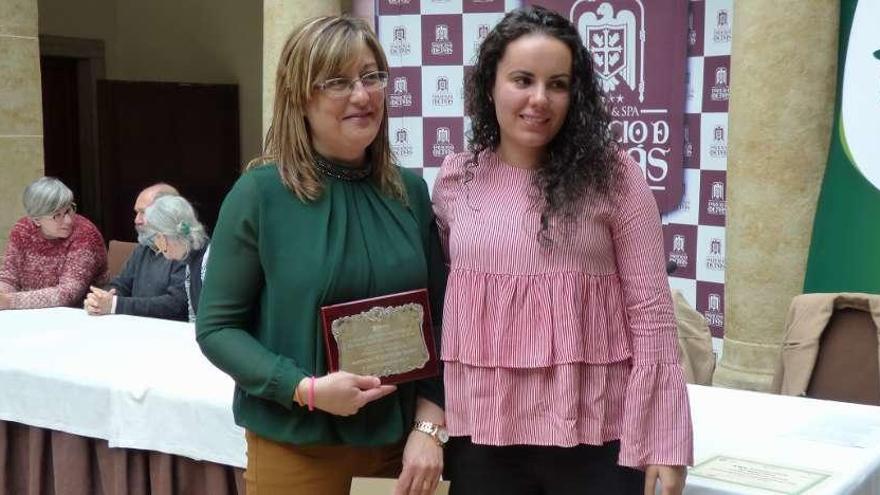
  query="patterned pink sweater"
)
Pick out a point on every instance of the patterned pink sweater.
point(43, 273)
point(566, 345)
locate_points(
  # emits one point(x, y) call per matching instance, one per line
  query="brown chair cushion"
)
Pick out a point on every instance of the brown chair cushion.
point(847, 366)
point(117, 253)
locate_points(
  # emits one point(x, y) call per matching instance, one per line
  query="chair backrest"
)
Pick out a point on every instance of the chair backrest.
point(694, 342)
point(847, 366)
point(117, 253)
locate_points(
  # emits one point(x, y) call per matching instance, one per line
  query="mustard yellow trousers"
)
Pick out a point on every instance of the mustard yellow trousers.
point(275, 468)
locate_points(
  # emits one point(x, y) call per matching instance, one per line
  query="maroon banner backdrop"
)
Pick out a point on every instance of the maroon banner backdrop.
point(665, 68)
point(639, 54)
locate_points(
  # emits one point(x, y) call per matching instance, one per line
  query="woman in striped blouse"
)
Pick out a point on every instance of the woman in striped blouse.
point(561, 362)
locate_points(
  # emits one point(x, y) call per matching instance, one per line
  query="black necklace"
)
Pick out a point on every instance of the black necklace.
point(342, 172)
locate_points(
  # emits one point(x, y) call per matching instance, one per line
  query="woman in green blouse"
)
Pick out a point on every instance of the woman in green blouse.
point(323, 217)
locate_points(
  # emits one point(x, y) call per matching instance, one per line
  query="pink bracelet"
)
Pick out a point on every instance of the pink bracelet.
point(311, 393)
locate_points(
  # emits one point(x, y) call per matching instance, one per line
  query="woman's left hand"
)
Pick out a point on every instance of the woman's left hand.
point(422, 465)
point(671, 479)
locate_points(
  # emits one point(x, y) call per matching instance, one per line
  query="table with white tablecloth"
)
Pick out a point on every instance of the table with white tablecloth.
point(132, 398)
point(838, 440)
point(135, 382)
point(142, 383)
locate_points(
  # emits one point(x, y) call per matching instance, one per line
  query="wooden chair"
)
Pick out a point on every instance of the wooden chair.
point(830, 348)
point(694, 342)
point(847, 366)
point(117, 254)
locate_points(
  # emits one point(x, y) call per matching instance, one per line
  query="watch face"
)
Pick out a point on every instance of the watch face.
point(443, 435)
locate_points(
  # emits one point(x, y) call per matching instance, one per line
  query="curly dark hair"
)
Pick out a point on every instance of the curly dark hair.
point(580, 160)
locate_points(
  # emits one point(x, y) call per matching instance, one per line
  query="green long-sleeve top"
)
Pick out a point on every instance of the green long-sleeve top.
point(275, 260)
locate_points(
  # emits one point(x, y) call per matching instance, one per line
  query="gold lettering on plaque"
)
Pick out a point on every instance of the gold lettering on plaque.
point(382, 341)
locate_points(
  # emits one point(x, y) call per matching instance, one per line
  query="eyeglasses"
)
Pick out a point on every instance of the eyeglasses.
point(60, 214)
point(342, 87)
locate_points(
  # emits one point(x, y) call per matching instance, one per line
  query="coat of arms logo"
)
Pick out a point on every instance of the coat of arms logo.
point(716, 205)
point(442, 143)
point(714, 302)
point(401, 146)
point(611, 38)
point(678, 243)
point(679, 254)
point(718, 191)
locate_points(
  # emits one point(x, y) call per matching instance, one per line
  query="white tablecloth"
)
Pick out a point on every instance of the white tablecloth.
point(142, 383)
point(831, 437)
point(137, 382)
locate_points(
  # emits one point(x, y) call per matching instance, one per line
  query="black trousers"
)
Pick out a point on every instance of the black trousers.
point(536, 470)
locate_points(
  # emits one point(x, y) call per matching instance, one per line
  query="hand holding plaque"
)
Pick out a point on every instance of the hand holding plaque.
point(344, 394)
point(388, 337)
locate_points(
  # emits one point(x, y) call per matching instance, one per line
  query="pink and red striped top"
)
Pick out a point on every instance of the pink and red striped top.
point(566, 345)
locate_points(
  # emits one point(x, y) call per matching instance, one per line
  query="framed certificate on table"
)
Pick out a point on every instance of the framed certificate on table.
point(755, 474)
point(389, 337)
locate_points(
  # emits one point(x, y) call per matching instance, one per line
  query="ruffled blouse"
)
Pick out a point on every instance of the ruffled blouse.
point(569, 344)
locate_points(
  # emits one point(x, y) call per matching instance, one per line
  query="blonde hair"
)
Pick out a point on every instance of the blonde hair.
point(316, 49)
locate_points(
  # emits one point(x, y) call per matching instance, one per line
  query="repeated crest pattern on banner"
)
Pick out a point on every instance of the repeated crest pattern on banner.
point(431, 45)
point(694, 233)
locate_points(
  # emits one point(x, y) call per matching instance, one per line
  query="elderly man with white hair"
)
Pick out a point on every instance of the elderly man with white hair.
point(53, 254)
point(149, 284)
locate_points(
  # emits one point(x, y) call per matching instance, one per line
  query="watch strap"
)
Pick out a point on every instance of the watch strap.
point(433, 430)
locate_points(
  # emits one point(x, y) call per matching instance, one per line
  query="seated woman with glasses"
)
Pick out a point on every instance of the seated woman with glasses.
point(175, 232)
point(53, 254)
point(324, 217)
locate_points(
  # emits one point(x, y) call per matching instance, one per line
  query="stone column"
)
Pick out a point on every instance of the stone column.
point(21, 111)
point(279, 18)
point(783, 71)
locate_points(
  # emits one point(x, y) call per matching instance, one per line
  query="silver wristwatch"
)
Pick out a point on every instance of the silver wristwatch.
point(435, 431)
